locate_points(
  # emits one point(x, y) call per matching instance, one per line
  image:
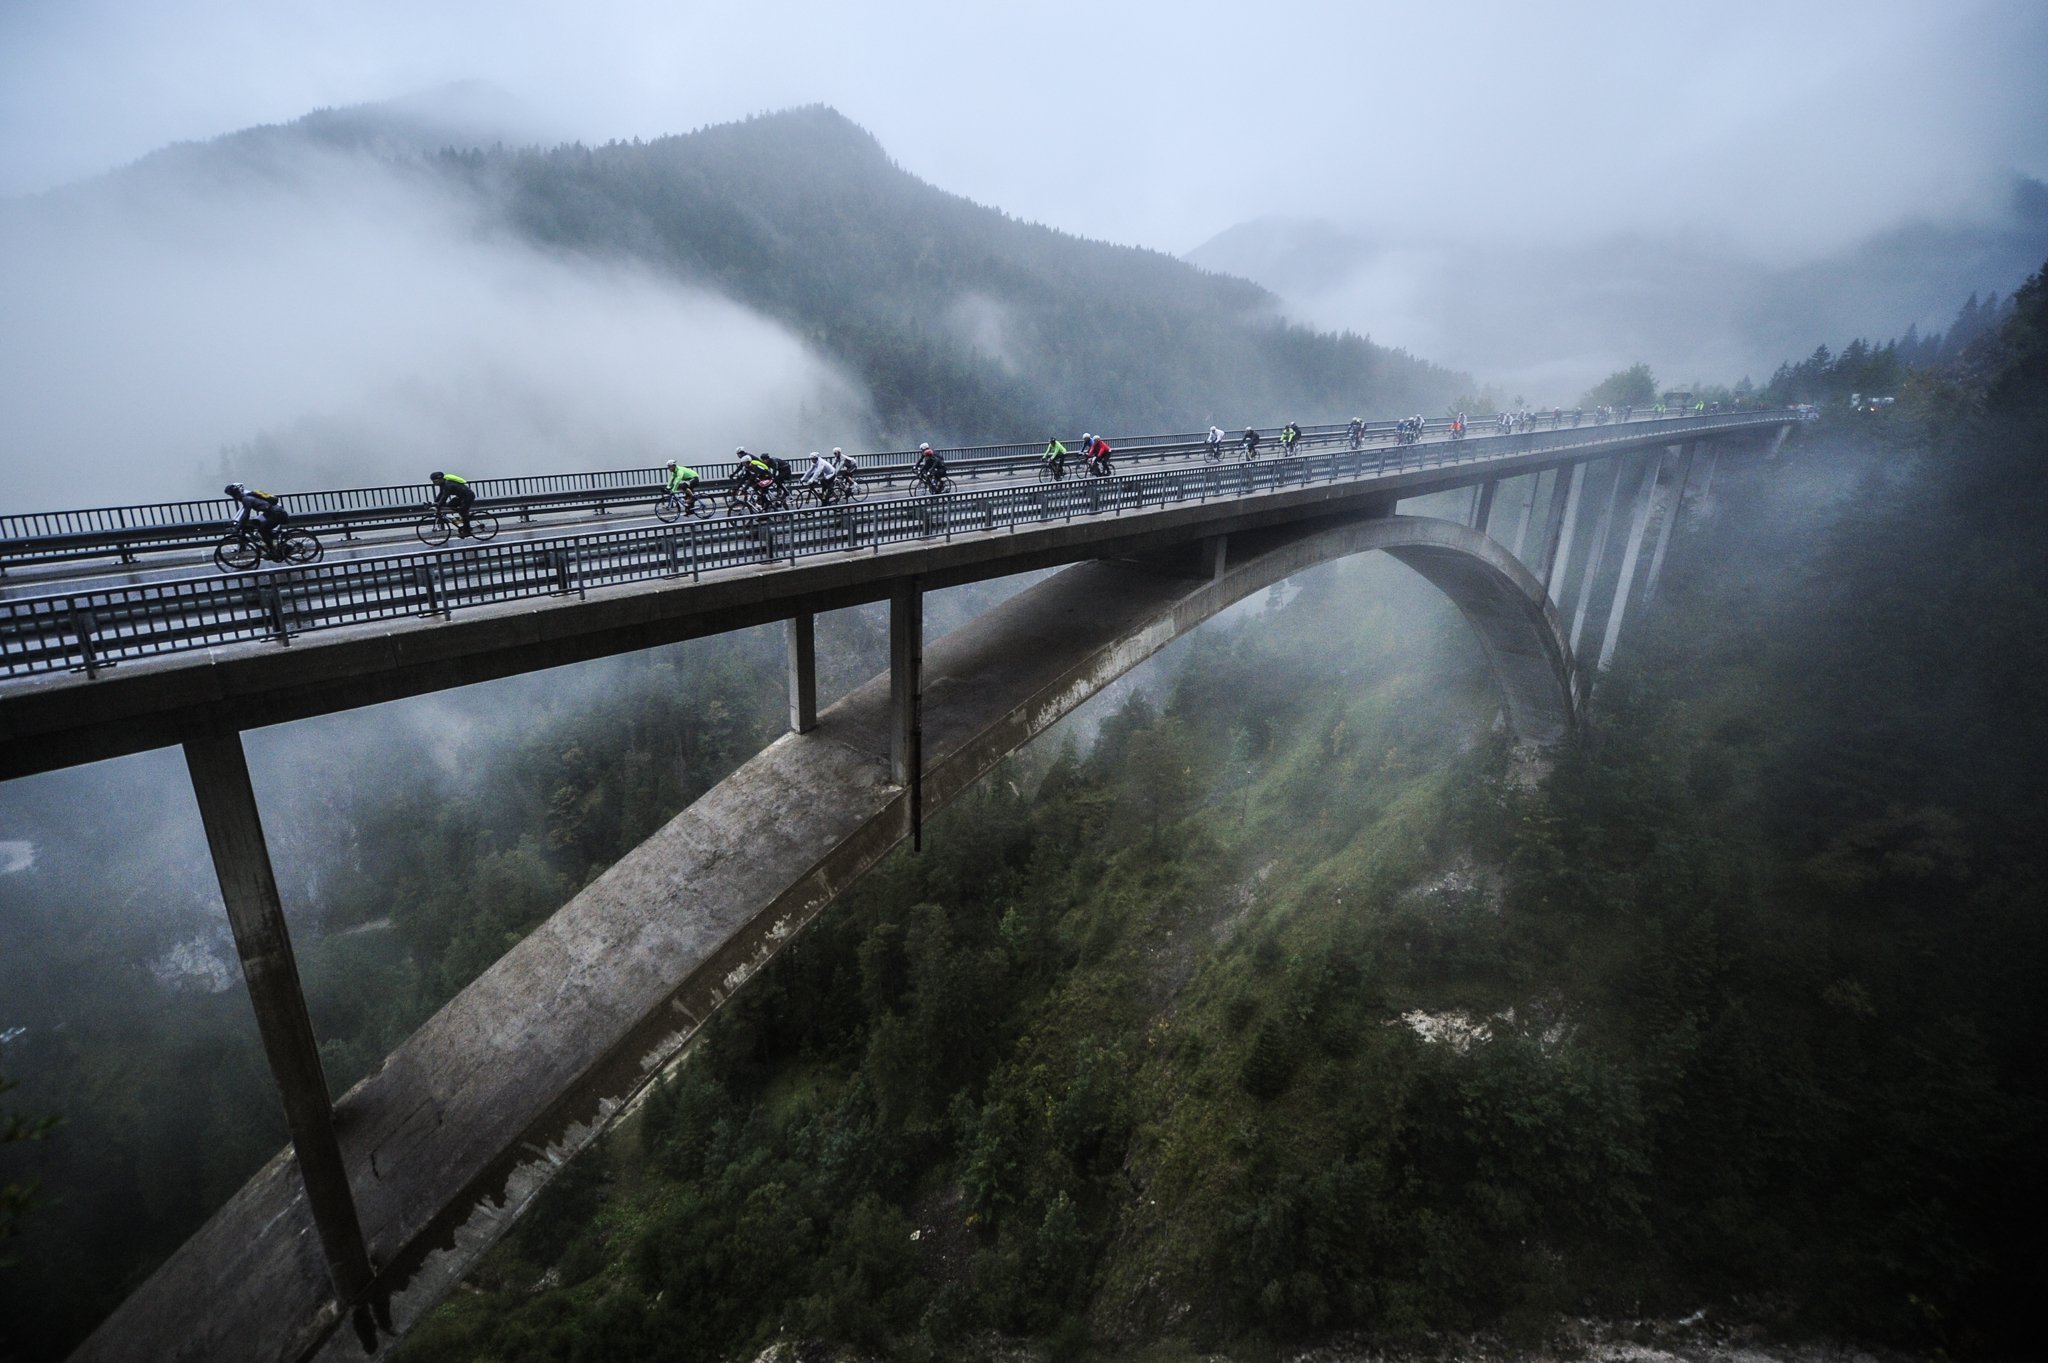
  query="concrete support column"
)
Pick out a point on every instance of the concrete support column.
point(1528, 508)
point(803, 673)
point(1557, 535)
point(227, 806)
point(1482, 505)
point(1215, 556)
point(1672, 506)
point(1594, 557)
point(906, 700)
point(1653, 464)
point(1707, 478)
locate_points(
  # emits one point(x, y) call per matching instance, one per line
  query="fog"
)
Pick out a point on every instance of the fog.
point(326, 319)
point(1792, 126)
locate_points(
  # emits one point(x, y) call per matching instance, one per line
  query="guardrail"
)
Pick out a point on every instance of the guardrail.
point(96, 629)
point(125, 532)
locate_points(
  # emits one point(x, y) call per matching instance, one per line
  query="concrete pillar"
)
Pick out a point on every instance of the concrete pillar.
point(1215, 556)
point(1557, 535)
point(1707, 478)
point(1672, 506)
point(803, 673)
point(1482, 504)
point(1594, 557)
point(1528, 507)
point(1653, 464)
point(241, 860)
point(906, 685)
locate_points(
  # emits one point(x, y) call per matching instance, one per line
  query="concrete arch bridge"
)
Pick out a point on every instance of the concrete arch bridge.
point(388, 1195)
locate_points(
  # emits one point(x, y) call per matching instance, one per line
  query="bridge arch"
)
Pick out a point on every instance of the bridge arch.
point(449, 1141)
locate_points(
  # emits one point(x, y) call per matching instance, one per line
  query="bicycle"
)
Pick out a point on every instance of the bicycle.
point(756, 496)
point(1052, 469)
point(440, 525)
point(1097, 465)
point(1212, 451)
point(672, 507)
point(934, 483)
point(244, 549)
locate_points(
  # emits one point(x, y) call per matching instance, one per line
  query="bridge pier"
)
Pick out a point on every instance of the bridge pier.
point(1594, 556)
point(241, 860)
point(906, 698)
point(1557, 534)
point(1653, 465)
point(1215, 556)
point(1482, 503)
point(1528, 509)
point(1671, 510)
point(802, 633)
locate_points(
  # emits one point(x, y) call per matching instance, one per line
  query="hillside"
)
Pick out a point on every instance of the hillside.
point(1548, 319)
point(1289, 1007)
point(958, 318)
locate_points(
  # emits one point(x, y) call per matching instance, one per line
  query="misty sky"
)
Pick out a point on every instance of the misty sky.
point(345, 326)
point(1796, 124)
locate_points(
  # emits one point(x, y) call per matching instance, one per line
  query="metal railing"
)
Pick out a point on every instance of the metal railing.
point(125, 532)
point(95, 629)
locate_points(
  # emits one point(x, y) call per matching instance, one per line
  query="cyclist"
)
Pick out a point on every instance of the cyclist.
point(682, 482)
point(1097, 451)
point(1355, 432)
point(931, 466)
point(1251, 442)
point(1215, 442)
point(820, 474)
point(842, 472)
point(1288, 435)
point(1055, 456)
point(265, 509)
point(453, 492)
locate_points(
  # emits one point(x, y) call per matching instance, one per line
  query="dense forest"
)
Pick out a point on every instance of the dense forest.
point(1292, 1006)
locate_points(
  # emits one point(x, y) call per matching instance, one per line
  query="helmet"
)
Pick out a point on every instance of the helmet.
point(926, 445)
point(436, 476)
point(814, 454)
point(836, 451)
point(671, 463)
point(740, 452)
point(233, 489)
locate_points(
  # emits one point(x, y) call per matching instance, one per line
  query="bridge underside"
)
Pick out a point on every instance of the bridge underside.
point(450, 1139)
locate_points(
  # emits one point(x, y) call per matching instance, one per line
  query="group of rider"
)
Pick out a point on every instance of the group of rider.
point(764, 479)
point(1095, 452)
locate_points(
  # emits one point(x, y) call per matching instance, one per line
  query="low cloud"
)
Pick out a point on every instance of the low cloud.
point(326, 319)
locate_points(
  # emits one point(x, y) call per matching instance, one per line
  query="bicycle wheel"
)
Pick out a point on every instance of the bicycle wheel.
point(434, 530)
point(700, 505)
point(669, 507)
point(300, 546)
point(237, 554)
point(1212, 453)
point(851, 490)
point(482, 526)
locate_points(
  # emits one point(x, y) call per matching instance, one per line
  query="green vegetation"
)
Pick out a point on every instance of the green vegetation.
point(1634, 386)
point(1739, 1009)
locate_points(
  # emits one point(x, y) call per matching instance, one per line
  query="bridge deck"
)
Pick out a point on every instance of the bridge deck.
point(205, 654)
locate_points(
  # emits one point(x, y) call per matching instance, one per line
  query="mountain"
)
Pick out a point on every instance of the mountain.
point(959, 318)
point(1548, 320)
point(963, 323)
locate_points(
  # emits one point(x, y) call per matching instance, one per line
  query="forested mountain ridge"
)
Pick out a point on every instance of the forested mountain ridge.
point(961, 322)
point(958, 318)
